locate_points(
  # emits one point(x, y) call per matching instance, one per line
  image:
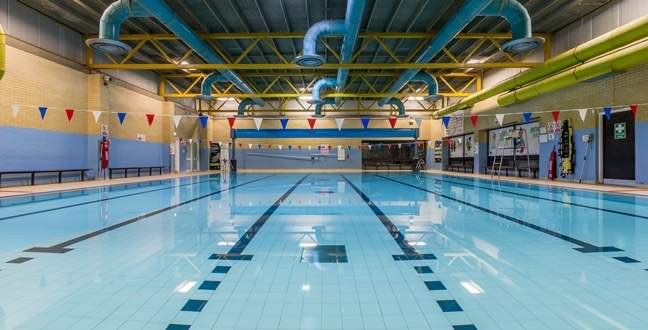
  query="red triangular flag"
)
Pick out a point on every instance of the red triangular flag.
point(474, 119)
point(392, 121)
point(633, 108)
point(69, 113)
point(555, 115)
point(311, 122)
point(231, 121)
point(149, 118)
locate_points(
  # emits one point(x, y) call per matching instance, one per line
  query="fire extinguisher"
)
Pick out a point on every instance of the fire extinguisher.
point(105, 150)
point(552, 165)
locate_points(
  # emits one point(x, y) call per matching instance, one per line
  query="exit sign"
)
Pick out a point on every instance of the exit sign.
point(619, 131)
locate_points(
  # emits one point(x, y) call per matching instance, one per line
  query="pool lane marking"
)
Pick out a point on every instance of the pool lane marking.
point(235, 253)
point(63, 247)
point(584, 246)
point(98, 200)
point(546, 199)
point(446, 306)
point(409, 252)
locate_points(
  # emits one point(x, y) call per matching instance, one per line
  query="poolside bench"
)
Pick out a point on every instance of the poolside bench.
point(138, 168)
point(32, 173)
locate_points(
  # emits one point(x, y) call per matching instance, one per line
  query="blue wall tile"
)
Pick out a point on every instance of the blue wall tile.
point(591, 163)
point(641, 156)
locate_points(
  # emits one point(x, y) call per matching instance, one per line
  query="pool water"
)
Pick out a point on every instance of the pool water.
point(324, 251)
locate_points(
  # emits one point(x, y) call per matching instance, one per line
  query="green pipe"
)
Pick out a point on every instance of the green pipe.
point(620, 60)
point(3, 50)
point(623, 35)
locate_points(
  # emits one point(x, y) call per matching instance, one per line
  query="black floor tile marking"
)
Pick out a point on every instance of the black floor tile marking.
point(194, 305)
point(464, 327)
point(544, 198)
point(423, 269)
point(19, 260)
point(584, 246)
point(448, 306)
point(235, 253)
point(209, 285)
point(324, 254)
point(435, 285)
point(409, 252)
point(221, 269)
point(63, 247)
point(627, 260)
point(178, 327)
point(98, 200)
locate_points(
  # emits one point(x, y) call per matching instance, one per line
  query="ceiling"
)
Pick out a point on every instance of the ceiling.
point(274, 16)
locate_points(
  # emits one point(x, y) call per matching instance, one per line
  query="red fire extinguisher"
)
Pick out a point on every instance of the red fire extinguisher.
point(552, 165)
point(105, 151)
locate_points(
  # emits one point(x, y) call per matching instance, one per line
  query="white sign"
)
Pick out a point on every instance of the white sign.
point(104, 130)
point(141, 137)
point(341, 154)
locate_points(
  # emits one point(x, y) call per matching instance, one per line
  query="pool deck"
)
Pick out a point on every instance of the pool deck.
point(26, 190)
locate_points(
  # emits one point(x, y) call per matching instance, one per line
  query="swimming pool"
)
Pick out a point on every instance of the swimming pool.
point(324, 251)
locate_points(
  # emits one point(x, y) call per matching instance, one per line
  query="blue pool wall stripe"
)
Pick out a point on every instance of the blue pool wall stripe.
point(281, 159)
point(641, 152)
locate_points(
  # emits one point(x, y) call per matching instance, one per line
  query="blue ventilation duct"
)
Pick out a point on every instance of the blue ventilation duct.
point(431, 82)
point(399, 105)
point(121, 10)
point(349, 28)
point(243, 106)
point(318, 107)
point(317, 89)
point(509, 9)
point(206, 86)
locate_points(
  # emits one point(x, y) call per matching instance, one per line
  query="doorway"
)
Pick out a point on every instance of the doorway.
point(619, 148)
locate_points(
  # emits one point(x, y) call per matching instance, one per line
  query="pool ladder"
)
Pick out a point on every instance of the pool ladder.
point(510, 139)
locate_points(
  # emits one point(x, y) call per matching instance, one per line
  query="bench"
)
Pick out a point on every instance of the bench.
point(33, 173)
point(465, 165)
point(138, 168)
point(521, 169)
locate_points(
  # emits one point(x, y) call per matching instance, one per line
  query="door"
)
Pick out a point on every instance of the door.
point(619, 148)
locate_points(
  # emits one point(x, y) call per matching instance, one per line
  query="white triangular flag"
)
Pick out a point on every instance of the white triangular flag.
point(500, 118)
point(176, 120)
point(582, 113)
point(257, 123)
point(96, 115)
point(14, 110)
point(419, 121)
point(339, 122)
point(249, 145)
point(280, 147)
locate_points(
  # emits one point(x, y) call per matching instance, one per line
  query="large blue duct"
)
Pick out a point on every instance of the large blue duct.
point(121, 10)
point(509, 9)
point(317, 89)
point(243, 105)
point(349, 28)
point(206, 86)
point(431, 82)
point(318, 107)
point(399, 105)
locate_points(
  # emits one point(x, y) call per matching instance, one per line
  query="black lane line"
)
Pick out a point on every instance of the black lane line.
point(63, 247)
point(584, 246)
point(98, 200)
point(409, 252)
point(545, 198)
point(235, 253)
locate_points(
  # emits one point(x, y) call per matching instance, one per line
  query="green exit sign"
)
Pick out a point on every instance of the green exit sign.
point(619, 131)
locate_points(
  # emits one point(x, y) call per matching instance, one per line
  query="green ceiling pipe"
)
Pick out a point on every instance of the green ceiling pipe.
point(605, 43)
point(3, 42)
point(620, 60)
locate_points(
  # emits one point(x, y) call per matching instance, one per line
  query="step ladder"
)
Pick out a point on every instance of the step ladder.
point(510, 143)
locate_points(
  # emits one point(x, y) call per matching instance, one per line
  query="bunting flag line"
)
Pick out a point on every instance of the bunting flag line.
point(339, 122)
point(96, 115)
point(446, 121)
point(176, 120)
point(43, 111)
point(527, 117)
point(231, 121)
point(500, 118)
point(149, 118)
point(258, 122)
point(474, 119)
point(69, 113)
point(14, 110)
point(365, 122)
point(633, 108)
point(582, 113)
point(121, 116)
point(392, 121)
point(311, 122)
point(555, 114)
point(284, 122)
point(203, 120)
point(607, 111)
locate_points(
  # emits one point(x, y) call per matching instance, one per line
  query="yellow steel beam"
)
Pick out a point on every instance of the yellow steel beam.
point(295, 95)
point(290, 66)
point(318, 73)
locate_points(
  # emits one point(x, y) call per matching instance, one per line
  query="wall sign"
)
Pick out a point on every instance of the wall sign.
point(619, 131)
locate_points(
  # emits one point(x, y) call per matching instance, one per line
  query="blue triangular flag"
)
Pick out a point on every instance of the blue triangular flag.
point(121, 116)
point(203, 120)
point(608, 112)
point(365, 122)
point(284, 122)
point(446, 121)
point(289, 146)
point(527, 117)
point(43, 111)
